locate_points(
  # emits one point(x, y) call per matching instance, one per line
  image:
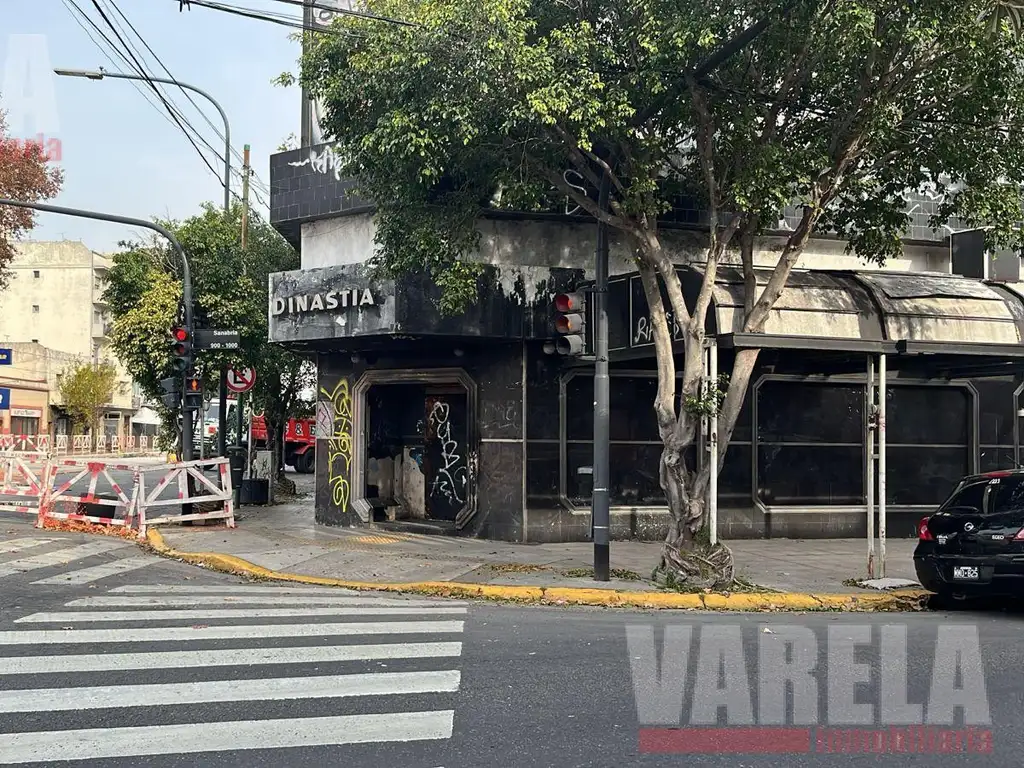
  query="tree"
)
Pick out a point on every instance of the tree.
point(85, 388)
point(230, 287)
point(840, 111)
point(24, 175)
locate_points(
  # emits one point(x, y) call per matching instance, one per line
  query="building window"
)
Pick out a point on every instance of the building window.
point(35, 273)
point(809, 443)
point(24, 425)
point(997, 410)
point(927, 455)
point(35, 309)
point(634, 448)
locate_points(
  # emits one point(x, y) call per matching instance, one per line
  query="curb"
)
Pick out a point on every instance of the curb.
point(899, 600)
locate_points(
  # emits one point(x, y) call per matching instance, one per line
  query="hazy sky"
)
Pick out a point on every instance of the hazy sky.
point(122, 155)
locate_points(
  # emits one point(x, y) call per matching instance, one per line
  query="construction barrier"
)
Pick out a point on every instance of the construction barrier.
point(25, 483)
point(165, 485)
point(61, 445)
point(81, 443)
point(66, 501)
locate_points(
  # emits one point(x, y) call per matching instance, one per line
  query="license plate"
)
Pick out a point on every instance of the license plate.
point(965, 572)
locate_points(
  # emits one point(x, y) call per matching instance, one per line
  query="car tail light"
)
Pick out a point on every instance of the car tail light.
point(923, 534)
point(1000, 473)
point(1019, 536)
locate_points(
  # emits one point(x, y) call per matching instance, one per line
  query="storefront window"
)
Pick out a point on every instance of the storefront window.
point(635, 450)
point(809, 443)
point(928, 442)
point(24, 425)
point(996, 412)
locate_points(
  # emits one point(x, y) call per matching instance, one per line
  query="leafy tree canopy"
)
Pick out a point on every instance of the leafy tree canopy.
point(26, 176)
point(839, 107)
point(230, 286)
point(85, 388)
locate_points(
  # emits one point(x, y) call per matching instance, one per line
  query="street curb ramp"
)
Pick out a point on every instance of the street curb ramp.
point(898, 600)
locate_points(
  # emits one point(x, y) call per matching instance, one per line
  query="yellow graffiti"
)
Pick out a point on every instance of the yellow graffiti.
point(339, 445)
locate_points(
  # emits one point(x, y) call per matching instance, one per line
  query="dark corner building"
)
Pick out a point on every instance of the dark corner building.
point(469, 426)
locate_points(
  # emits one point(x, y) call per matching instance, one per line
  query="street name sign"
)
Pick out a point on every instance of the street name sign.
point(212, 339)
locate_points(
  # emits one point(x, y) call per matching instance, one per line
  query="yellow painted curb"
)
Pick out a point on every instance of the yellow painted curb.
point(759, 601)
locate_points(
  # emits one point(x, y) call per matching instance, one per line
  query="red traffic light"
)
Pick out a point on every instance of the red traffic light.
point(568, 302)
point(180, 334)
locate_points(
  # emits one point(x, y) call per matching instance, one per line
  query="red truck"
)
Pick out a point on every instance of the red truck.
point(299, 442)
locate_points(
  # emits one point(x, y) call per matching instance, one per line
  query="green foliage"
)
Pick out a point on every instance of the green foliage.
point(85, 388)
point(709, 401)
point(230, 291)
point(845, 106)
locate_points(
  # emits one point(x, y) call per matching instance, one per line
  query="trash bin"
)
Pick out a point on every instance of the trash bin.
point(236, 460)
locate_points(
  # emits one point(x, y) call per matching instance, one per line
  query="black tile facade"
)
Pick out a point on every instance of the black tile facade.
point(304, 186)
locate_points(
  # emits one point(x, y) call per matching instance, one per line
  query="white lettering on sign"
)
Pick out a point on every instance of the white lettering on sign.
point(319, 302)
point(27, 412)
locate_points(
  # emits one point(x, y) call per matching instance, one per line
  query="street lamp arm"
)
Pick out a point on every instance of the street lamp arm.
point(101, 74)
point(186, 274)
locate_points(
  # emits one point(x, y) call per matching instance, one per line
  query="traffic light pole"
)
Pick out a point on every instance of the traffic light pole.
point(186, 280)
point(599, 506)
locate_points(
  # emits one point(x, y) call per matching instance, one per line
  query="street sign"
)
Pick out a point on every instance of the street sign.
point(211, 339)
point(5, 399)
point(241, 380)
point(6, 356)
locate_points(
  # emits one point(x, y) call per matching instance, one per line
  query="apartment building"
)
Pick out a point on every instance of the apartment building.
point(52, 314)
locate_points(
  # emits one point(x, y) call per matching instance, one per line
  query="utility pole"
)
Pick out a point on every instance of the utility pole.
point(239, 417)
point(600, 503)
point(186, 281)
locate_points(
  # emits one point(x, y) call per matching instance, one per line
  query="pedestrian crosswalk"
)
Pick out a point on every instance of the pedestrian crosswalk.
point(68, 563)
point(147, 670)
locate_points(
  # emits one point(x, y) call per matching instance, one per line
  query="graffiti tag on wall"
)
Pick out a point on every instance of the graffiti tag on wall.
point(450, 480)
point(339, 444)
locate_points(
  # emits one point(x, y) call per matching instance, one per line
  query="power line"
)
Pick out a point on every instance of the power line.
point(237, 155)
point(141, 72)
point(292, 22)
point(348, 12)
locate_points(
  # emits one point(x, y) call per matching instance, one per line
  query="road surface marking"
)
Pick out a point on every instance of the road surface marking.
point(203, 632)
point(16, 545)
point(102, 571)
point(228, 601)
point(72, 617)
point(221, 691)
point(59, 557)
point(234, 657)
point(188, 738)
point(180, 589)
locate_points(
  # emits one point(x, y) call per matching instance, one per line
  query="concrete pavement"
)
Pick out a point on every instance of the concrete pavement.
point(284, 538)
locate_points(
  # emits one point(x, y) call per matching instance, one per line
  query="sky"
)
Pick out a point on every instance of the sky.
point(121, 154)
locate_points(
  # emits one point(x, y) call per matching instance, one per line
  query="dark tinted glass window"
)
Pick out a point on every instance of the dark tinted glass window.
point(1007, 495)
point(970, 497)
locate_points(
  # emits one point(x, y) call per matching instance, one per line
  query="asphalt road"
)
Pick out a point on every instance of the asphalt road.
point(118, 658)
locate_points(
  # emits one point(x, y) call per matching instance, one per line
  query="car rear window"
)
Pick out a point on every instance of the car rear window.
point(988, 496)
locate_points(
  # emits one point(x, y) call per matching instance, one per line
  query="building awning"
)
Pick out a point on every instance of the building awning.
point(904, 313)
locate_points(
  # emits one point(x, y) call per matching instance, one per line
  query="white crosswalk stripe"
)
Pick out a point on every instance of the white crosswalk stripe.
point(97, 572)
point(351, 676)
point(64, 562)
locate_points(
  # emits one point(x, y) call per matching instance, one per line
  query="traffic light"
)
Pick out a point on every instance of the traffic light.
point(172, 393)
point(569, 324)
point(181, 348)
point(193, 393)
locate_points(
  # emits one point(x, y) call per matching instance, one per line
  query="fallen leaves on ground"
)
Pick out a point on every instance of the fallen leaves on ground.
point(517, 567)
point(76, 526)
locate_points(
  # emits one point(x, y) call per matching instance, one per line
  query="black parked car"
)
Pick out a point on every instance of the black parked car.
point(974, 544)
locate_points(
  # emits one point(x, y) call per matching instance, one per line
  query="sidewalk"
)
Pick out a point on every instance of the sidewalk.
point(285, 538)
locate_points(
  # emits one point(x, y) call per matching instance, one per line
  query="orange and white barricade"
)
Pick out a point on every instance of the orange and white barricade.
point(81, 443)
point(25, 483)
point(130, 443)
point(61, 444)
point(168, 485)
point(79, 482)
point(144, 442)
point(101, 443)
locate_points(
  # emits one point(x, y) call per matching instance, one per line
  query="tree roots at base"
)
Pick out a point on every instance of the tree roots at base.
point(695, 566)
